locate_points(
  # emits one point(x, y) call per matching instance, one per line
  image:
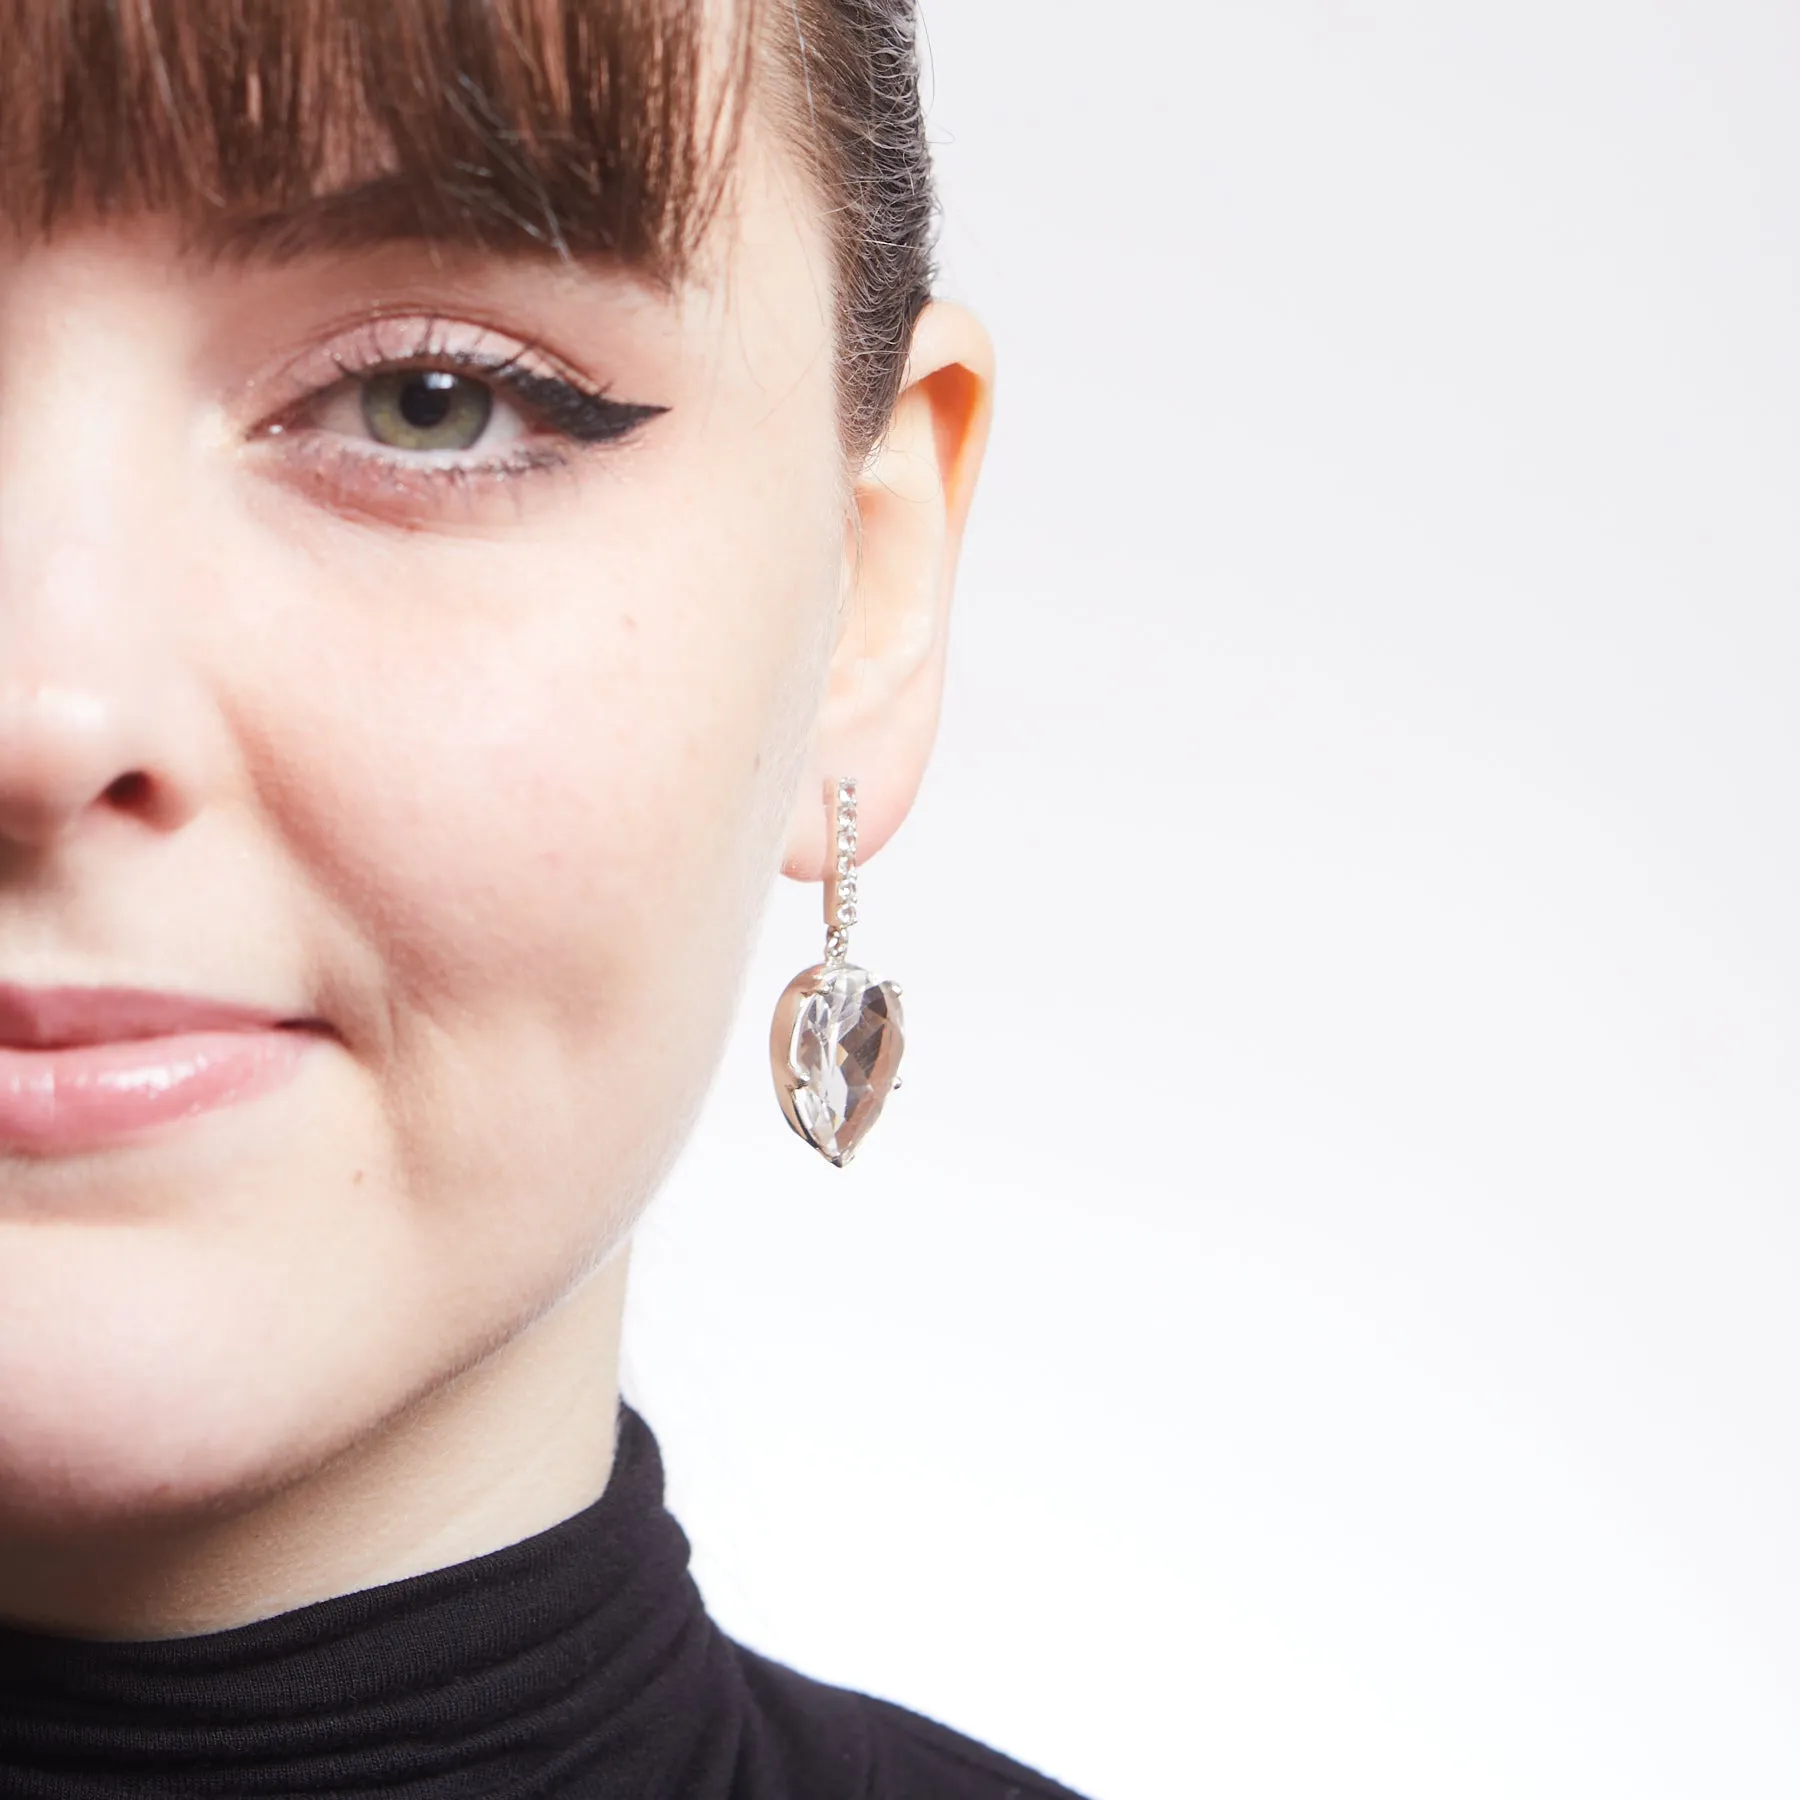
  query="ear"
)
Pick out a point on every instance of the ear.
point(886, 683)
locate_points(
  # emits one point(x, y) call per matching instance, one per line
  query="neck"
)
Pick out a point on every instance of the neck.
point(505, 1450)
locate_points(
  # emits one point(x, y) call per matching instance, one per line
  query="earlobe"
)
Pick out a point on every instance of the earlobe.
point(880, 711)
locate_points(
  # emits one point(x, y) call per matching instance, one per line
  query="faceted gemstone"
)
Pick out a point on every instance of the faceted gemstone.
point(835, 1047)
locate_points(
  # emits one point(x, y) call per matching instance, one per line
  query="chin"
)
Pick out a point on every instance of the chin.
point(98, 1444)
point(144, 1379)
point(77, 1464)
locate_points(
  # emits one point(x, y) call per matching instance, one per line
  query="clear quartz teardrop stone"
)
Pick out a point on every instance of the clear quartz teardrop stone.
point(837, 1040)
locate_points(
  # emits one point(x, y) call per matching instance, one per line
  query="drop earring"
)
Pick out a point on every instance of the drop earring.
point(835, 1043)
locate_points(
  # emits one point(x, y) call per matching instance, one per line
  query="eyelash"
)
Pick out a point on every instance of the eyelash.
point(579, 415)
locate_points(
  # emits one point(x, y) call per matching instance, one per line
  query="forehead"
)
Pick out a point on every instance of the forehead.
point(561, 127)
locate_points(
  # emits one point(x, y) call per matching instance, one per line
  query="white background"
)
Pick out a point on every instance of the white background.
point(1319, 1318)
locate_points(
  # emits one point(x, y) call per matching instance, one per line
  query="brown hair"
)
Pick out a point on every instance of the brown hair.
point(563, 127)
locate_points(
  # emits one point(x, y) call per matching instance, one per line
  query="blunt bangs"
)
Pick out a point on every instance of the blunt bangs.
point(280, 126)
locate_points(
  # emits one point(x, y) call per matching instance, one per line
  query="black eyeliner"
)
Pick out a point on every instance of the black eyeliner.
point(587, 418)
point(576, 412)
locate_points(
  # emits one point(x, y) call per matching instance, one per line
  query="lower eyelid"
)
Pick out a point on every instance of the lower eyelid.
point(384, 462)
point(360, 480)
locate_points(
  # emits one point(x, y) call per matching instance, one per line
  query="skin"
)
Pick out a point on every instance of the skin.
point(488, 778)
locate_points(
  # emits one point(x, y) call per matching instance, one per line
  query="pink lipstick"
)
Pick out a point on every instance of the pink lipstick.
point(82, 1068)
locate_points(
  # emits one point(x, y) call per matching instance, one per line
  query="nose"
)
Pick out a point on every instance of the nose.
point(69, 753)
point(104, 712)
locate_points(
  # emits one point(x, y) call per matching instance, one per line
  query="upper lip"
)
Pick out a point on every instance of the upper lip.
point(48, 1018)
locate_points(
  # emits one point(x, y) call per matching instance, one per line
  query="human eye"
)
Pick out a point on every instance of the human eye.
point(400, 415)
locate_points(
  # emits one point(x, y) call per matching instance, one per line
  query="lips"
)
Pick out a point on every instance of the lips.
point(84, 1068)
point(55, 1018)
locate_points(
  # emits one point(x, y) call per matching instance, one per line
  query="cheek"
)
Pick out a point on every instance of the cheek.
point(533, 790)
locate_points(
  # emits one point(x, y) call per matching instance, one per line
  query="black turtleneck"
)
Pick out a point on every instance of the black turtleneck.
point(577, 1665)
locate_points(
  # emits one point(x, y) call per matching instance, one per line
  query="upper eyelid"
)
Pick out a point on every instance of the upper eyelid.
point(494, 368)
point(397, 341)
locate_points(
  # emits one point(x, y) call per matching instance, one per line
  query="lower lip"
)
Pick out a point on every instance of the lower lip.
point(88, 1096)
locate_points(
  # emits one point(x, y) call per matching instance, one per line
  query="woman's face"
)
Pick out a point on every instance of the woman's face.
point(369, 663)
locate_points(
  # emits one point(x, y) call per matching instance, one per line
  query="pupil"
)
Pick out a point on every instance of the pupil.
point(426, 399)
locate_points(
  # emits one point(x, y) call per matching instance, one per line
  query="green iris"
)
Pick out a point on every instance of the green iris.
point(426, 409)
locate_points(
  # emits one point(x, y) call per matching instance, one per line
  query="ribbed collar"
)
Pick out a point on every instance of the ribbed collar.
point(577, 1661)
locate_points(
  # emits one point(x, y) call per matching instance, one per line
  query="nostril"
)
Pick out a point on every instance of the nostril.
point(130, 793)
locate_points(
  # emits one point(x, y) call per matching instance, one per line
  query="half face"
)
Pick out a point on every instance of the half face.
point(411, 657)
